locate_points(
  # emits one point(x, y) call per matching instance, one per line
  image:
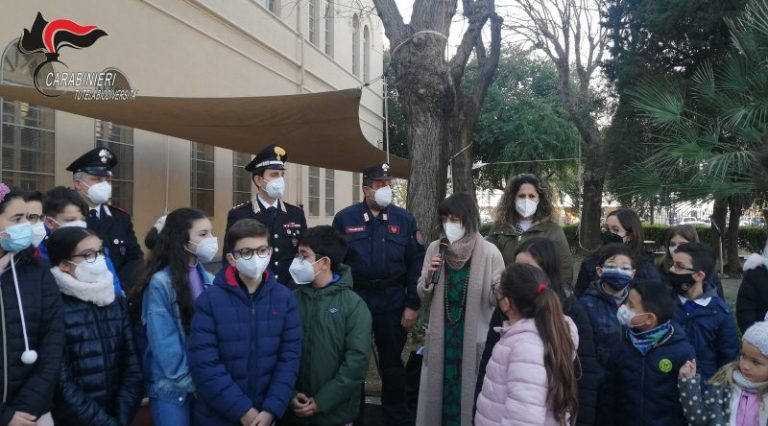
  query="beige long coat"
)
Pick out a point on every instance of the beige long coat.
point(486, 266)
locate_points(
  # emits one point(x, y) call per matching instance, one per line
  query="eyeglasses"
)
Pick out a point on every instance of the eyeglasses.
point(624, 268)
point(248, 252)
point(89, 256)
point(679, 267)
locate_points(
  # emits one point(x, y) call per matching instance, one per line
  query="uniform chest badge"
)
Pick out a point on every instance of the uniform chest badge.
point(394, 229)
point(353, 229)
point(333, 310)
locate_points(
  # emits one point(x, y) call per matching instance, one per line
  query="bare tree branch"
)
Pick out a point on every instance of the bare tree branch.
point(481, 10)
point(394, 26)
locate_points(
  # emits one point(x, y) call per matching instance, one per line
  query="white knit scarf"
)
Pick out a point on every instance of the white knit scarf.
point(100, 293)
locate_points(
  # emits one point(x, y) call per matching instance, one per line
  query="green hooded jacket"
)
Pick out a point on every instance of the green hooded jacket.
point(336, 326)
point(508, 239)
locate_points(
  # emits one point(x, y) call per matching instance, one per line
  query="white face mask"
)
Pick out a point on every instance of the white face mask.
point(206, 248)
point(454, 231)
point(526, 207)
point(91, 272)
point(99, 193)
point(253, 267)
point(275, 187)
point(302, 271)
point(672, 250)
point(72, 223)
point(38, 233)
point(383, 196)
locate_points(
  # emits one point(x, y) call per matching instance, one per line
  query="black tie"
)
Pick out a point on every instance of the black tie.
point(94, 215)
point(271, 210)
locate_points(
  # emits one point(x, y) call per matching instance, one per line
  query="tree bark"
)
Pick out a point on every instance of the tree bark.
point(733, 265)
point(719, 211)
point(431, 94)
point(592, 200)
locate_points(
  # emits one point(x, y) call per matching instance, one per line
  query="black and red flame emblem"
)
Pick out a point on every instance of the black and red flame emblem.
point(49, 37)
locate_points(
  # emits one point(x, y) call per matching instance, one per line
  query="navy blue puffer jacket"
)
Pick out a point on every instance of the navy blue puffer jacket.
point(643, 388)
point(100, 381)
point(244, 349)
point(29, 387)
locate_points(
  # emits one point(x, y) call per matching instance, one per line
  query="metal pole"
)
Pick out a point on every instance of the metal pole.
point(386, 117)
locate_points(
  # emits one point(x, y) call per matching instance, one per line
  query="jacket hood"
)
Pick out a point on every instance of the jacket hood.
point(344, 282)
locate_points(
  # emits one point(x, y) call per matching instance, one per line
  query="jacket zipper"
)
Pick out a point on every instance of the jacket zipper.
point(100, 331)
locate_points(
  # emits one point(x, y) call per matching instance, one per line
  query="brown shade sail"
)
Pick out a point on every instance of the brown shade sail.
point(317, 129)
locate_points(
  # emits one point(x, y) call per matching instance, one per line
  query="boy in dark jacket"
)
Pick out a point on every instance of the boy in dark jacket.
point(615, 270)
point(336, 324)
point(707, 321)
point(643, 372)
point(245, 342)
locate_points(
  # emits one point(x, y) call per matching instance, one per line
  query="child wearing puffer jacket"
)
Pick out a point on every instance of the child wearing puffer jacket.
point(738, 393)
point(530, 379)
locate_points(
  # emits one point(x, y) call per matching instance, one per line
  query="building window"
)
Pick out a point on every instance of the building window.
point(329, 28)
point(356, 189)
point(241, 178)
point(330, 181)
point(28, 131)
point(272, 6)
point(119, 139)
point(314, 191)
point(366, 54)
point(313, 22)
point(202, 177)
point(356, 45)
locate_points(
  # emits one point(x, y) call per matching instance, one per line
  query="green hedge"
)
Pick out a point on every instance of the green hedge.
point(751, 238)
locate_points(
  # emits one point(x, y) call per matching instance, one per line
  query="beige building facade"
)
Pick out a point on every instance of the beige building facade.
point(192, 48)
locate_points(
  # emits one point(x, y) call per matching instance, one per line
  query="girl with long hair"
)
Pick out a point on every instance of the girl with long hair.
point(530, 377)
point(163, 302)
point(542, 253)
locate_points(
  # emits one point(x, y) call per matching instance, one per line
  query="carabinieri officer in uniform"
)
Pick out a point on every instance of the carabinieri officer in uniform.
point(286, 222)
point(385, 254)
point(92, 178)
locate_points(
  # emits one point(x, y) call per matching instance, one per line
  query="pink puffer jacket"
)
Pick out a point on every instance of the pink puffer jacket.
point(515, 386)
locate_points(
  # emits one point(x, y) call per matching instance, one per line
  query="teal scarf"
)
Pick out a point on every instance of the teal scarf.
point(644, 341)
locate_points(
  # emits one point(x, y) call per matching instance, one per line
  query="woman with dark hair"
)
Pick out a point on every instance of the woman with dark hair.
point(621, 226)
point(678, 235)
point(542, 253)
point(460, 306)
point(32, 328)
point(525, 211)
point(100, 381)
point(164, 303)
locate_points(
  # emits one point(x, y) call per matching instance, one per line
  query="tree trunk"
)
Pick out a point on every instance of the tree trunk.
point(733, 266)
point(592, 200)
point(719, 211)
point(461, 166)
point(426, 98)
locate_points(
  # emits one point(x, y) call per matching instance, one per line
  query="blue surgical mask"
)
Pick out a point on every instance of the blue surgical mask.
point(18, 237)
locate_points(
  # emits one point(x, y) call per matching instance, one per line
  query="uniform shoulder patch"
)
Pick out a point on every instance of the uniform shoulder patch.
point(113, 207)
point(247, 203)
